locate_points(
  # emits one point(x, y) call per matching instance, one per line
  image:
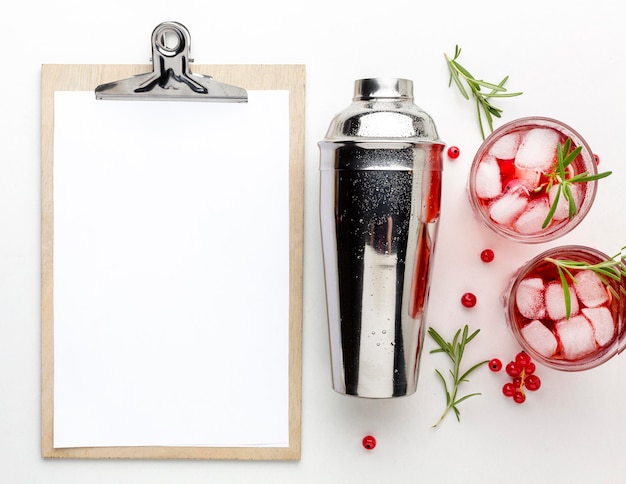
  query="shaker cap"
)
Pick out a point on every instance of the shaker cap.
point(383, 87)
point(382, 110)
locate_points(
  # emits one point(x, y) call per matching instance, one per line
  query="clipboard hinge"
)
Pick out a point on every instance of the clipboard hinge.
point(171, 77)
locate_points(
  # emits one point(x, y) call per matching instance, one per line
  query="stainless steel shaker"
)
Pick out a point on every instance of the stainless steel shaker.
point(380, 168)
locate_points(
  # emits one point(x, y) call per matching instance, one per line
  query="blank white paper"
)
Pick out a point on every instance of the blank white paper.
point(171, 272)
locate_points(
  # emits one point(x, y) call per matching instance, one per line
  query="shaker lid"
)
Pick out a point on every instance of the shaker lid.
point(382, 110)
point(383, 87)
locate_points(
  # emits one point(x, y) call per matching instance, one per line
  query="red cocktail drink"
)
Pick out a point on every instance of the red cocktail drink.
point(568, 319)
point(516, 187)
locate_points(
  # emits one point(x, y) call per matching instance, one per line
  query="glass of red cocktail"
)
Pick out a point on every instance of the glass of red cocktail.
point(533, 180)
point(566, 307)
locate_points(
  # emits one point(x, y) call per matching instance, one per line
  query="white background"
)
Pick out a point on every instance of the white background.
point(567, 56)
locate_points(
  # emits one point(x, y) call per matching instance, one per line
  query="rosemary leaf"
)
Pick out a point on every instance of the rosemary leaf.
point(559, 176)
point(455, 351)
point(484, 108)
point(566, 294)
point(613, 269)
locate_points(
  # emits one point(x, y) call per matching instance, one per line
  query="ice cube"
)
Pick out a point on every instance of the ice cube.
point(555, 301)
point(602, 322)
point(562, 206)
point(505, 147)
point(590, 289)
point(537, 150)
point(576, 336)
point(531, 220)
point(488, 182)
point(529, 298)
point(540, 338)
point(529, 178)
point(508, 207)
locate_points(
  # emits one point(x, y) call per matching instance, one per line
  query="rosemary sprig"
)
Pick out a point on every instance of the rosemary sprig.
point(483, 99)
point(611, 269)
point(559, 176)
point(455, 351)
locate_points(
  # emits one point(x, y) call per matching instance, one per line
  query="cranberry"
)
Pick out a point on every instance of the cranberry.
point(487, 255)
point(513, 369)
point(453, 152)
point(522, 359)
point(519, 397)
point(521, 370)
point(495, 365)
point(369, 442)
point(533, 383)
point(513, 186)
point(508, 389)
point(468, 300)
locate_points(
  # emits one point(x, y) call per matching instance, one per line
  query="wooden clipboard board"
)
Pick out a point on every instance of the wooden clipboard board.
point(253, 77)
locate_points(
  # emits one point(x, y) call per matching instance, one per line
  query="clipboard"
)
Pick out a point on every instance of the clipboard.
point(171, 70)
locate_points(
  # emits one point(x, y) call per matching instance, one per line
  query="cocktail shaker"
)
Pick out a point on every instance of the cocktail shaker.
point(380, 170)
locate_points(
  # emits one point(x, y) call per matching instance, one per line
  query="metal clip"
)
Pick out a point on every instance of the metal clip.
point(171, 78)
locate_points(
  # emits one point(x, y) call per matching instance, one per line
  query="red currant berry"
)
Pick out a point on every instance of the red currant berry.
point(519, 397)
point(522, 359)
point(530, 368)
point(533, 383)
point(495, 365)
point(513, 369)
point(453, 152)
point(487, 255)
point(596, 158)
point(508, 389)
point(468, 300)
point(369, 442)
point(517, 382)
point(512, 186)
